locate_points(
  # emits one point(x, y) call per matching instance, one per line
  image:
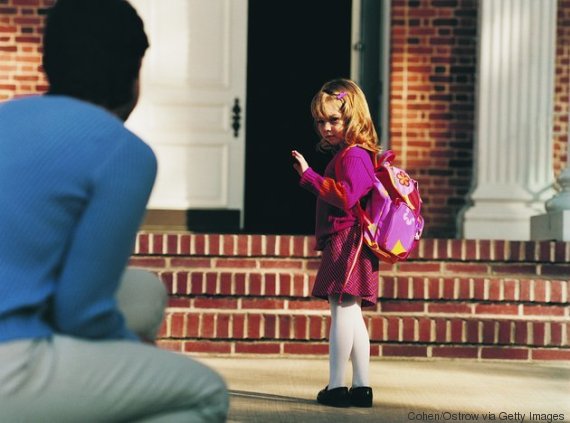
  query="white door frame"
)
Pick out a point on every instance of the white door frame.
point(355, 60)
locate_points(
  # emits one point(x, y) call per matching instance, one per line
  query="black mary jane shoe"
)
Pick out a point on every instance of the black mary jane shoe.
point(361, 396)
point(337, 397)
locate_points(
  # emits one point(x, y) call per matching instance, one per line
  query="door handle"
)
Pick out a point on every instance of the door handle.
point(236, 117)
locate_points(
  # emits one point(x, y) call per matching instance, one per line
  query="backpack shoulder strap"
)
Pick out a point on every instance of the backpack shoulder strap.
point(359, 213)
point(386, 157)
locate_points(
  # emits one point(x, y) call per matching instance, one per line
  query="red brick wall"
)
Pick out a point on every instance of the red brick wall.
point(562, 84)
point(432, 102)
point(21, 26)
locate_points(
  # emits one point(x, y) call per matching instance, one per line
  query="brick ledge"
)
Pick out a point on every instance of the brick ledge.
point(244, 245)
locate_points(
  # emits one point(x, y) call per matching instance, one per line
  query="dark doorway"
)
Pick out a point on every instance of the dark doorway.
point(294, 47)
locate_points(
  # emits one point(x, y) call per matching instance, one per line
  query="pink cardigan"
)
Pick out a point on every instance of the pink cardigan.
point(338, 194)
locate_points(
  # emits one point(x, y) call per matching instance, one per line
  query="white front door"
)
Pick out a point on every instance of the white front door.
point(193, 82)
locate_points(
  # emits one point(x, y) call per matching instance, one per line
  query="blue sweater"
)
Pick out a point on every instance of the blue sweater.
point(74, 184)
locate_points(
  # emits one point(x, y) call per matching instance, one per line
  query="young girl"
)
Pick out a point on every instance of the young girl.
point(349, 281)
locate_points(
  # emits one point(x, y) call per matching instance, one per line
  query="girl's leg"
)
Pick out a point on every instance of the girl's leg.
point(360, 355)
point(348, 339)
point(344, 331)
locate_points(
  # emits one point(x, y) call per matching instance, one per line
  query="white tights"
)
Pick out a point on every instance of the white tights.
point(348, 338)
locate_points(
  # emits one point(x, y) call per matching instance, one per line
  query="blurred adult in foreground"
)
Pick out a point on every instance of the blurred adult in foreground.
point(77, 326)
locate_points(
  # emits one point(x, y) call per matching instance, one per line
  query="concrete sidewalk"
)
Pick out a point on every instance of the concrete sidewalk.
point(284, 390)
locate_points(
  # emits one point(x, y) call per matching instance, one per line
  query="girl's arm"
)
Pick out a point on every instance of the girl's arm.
point(354, 180)
point(300, 164)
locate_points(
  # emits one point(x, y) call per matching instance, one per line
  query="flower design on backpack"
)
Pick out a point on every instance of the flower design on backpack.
point(403, 178)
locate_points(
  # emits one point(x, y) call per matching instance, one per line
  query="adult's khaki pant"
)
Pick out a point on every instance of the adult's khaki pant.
point(65, 379)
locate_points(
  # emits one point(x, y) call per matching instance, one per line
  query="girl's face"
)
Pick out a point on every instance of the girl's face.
point(331, 125)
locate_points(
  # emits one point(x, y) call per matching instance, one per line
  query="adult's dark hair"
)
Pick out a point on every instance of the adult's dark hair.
point(93, 50)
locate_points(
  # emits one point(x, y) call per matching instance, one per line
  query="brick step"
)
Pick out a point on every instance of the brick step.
point(256, 283)
point(388, 350)
point(280, 326)
point(243, 245)
point(418, 268)
point(514, 311)
point(446, 280)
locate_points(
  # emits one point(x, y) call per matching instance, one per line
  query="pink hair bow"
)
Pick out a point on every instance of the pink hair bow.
point(341, 95)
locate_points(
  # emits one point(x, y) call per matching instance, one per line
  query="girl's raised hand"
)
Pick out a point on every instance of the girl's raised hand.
point(300, 163)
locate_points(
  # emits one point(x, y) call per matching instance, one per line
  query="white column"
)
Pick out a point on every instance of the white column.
point(515, 90)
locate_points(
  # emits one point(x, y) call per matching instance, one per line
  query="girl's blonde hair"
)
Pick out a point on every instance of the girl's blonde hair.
point(354, 109)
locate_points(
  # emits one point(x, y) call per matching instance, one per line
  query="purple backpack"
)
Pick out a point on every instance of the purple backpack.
point(391, 221)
